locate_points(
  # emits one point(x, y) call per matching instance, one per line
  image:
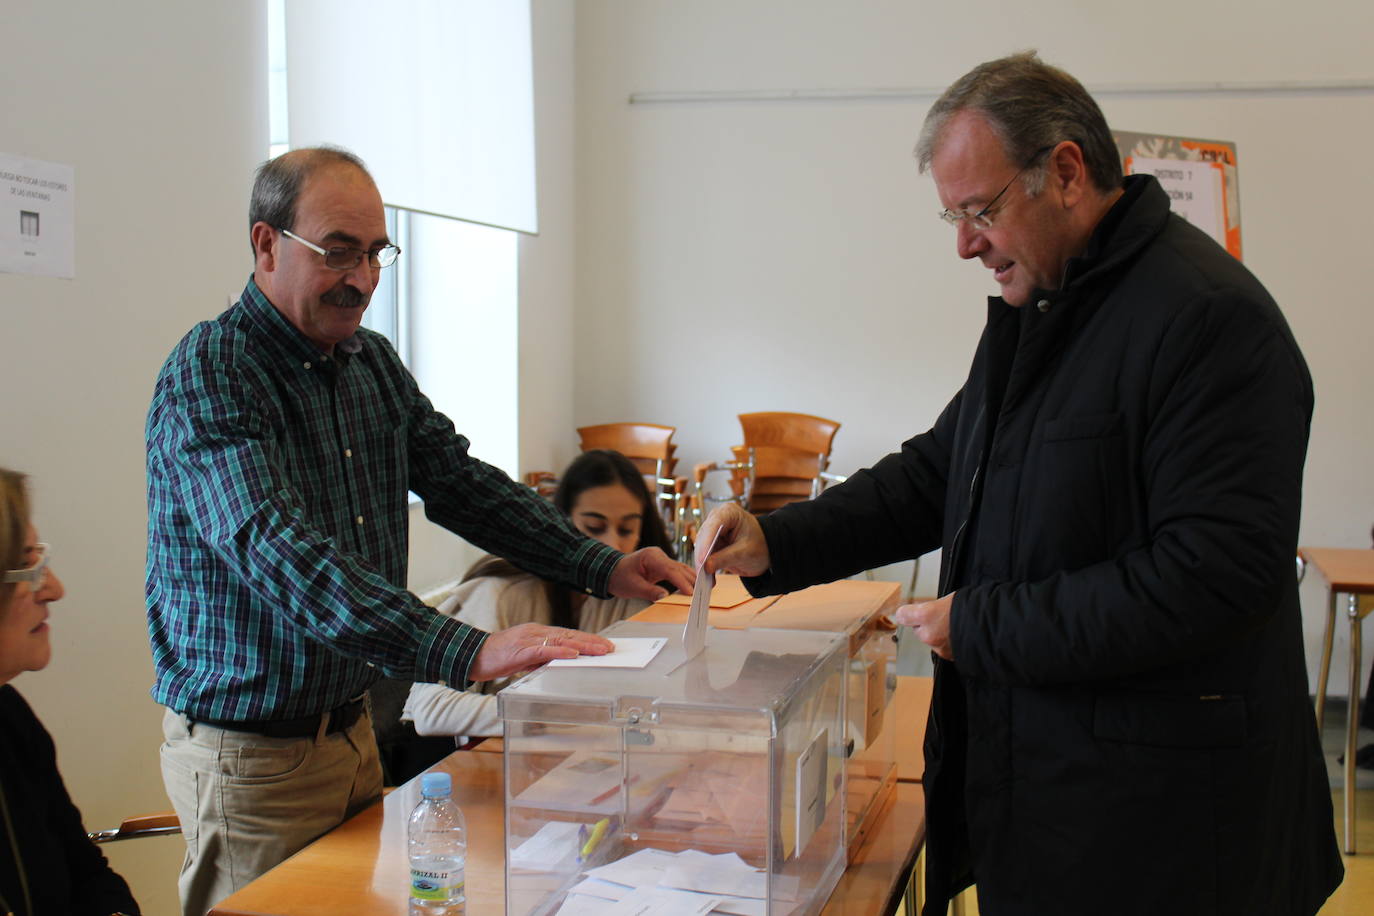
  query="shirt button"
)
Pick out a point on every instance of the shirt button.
point(359, 520)
point(348, 453)
point(587, 590)
point(1043, 305)
point(307, 365)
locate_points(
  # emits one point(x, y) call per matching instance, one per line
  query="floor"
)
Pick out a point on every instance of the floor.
point(1355, 896)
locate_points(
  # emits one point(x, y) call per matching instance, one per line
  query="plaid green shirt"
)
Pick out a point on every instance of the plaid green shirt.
point(277, 521)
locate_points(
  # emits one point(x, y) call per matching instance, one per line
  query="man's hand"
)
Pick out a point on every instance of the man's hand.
point(530, 645)
point(930, 620)
point(637, 575)
point(740, 547)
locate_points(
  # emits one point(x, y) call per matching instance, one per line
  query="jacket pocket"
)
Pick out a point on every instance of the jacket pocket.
point(1087, 426)
point(1207, 721)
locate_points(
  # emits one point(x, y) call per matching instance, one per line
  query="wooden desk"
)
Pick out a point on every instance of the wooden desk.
point(1350, 573)
point(910, 706)
point(361, 867)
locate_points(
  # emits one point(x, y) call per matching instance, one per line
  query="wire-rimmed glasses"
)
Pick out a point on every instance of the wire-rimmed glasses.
point(343, 258)
point(983, 218)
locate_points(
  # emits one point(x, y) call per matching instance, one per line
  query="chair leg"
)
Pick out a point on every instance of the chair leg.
point(1325, 671)
point(1352, 725)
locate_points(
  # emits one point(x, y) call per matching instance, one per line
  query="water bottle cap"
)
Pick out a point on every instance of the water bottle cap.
point(436, 785)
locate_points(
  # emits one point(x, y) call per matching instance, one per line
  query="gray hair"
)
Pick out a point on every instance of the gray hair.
point(1031, 106)
point(279, 182)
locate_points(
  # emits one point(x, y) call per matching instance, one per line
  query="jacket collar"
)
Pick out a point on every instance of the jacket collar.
point(1022, 341)
point(1132, 223)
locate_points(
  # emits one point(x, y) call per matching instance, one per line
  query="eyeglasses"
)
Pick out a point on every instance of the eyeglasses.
point(36, 574)
point(348, 258)
point(984, 217)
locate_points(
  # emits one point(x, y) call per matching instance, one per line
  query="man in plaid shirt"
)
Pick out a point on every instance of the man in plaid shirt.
point(283, 440)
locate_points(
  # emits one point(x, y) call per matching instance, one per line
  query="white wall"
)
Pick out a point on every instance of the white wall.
point(545, 438)
point(792, 251)
point(547, 339)
point(161, 108)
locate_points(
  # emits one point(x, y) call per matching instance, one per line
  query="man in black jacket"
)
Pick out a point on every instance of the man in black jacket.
point(1120, 721)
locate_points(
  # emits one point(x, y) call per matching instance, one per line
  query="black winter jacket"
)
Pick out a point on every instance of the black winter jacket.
point(1125, 727)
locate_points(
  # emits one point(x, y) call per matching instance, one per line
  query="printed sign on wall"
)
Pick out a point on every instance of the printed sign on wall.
point(1199, 175)
point(37, 217)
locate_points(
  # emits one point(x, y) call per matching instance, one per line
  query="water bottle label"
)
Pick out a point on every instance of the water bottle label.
point(436, 885)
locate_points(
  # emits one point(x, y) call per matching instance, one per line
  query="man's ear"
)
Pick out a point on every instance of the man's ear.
point(1067, 173)
point(264, 239)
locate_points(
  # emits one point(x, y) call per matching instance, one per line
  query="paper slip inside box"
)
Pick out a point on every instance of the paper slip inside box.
point(629, 652)
point(555, 842)
point(662, 901)
point(702, 875)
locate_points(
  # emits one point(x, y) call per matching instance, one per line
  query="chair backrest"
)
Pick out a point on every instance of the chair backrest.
point(790, 453)
point(649, 445)
point(791, 430)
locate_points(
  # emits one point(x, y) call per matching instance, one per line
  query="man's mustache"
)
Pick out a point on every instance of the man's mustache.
point(344, 297)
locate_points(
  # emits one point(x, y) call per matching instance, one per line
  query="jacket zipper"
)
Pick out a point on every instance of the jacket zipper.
point(956, 545)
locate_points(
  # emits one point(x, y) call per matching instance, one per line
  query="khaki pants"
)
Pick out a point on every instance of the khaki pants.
point(246, 802)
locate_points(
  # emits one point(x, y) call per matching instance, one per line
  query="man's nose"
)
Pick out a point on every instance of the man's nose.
point(969, 241)
point(363, 276)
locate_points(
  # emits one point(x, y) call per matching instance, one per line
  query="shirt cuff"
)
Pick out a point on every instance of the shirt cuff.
point(447, 650)
point(592, 567)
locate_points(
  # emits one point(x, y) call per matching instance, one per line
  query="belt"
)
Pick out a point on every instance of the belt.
point(341, 718)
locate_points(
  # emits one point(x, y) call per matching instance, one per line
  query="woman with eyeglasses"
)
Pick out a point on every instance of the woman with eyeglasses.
point(48, 866)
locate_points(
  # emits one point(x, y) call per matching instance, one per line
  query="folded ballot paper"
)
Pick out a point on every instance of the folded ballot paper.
point(694, 633)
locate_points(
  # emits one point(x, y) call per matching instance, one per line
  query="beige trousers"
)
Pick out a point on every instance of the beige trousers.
point(246, 802)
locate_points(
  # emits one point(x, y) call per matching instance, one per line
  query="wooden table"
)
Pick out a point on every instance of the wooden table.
point(1351, 573)
point(910, 705)
point(361, 867)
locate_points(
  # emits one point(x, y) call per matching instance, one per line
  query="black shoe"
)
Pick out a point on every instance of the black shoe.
point(1364, 758)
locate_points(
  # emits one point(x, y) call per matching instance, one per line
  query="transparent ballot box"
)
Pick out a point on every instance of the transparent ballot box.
point(858, 611)
point(870, 738)
point(717, 782)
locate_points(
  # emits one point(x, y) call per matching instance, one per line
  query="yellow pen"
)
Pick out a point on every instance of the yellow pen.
point(598, 831)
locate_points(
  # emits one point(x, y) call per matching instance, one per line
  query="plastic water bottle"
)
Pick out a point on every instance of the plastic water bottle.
point(438, 840)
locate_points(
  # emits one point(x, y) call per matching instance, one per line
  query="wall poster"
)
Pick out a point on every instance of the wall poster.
point(1199, 175)
point(37, 217)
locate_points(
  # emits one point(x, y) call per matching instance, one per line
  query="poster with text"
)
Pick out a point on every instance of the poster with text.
point(1200, 177)
point(37, 217)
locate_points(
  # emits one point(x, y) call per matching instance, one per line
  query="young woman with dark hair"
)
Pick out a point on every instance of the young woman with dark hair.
point(605, 496)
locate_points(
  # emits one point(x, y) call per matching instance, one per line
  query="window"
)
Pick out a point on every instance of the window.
point(449, 305)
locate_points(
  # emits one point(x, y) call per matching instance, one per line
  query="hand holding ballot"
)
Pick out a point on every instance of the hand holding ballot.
point(739, 544)
point(930, 620)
